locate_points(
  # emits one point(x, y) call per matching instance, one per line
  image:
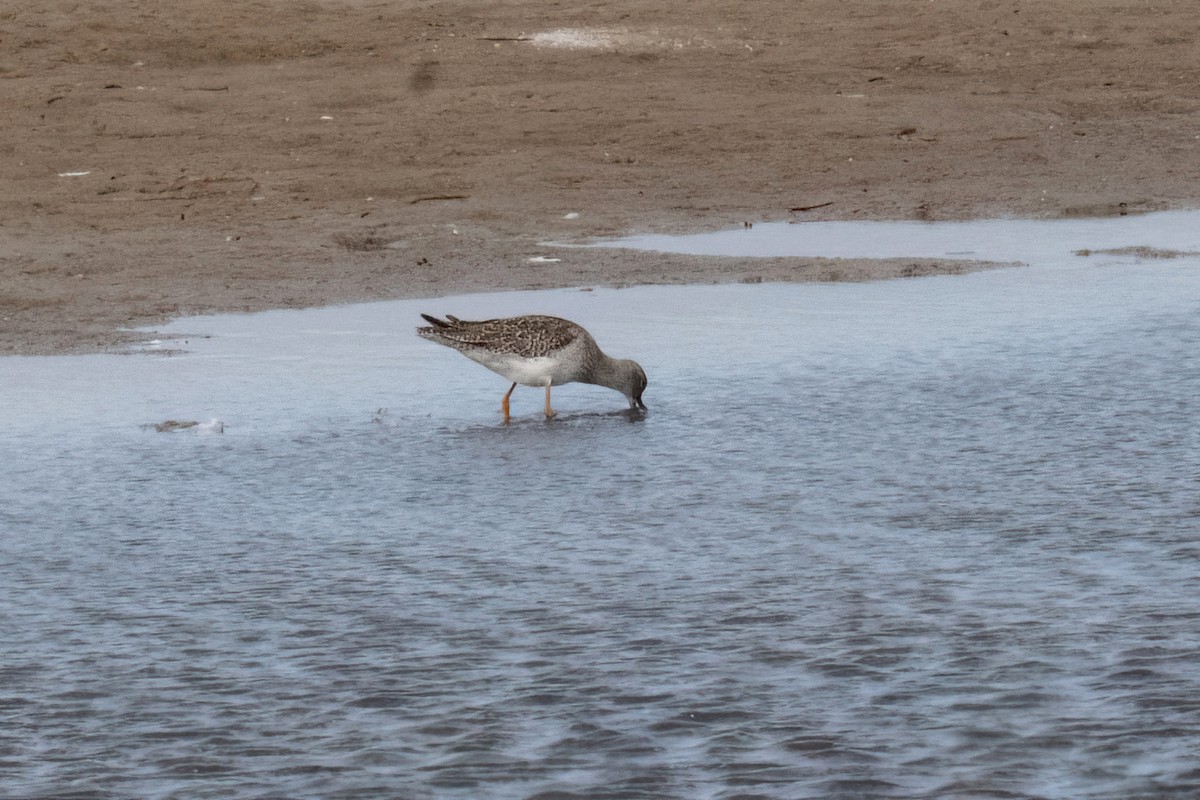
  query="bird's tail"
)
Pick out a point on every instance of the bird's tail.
point(435, 322)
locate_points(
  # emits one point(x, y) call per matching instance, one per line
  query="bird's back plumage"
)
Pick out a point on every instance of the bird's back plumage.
point(531, 336)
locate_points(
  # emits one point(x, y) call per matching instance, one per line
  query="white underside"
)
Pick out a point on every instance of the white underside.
point(525, 371)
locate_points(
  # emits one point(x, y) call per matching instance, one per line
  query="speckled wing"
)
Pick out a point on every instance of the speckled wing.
point(527, 337)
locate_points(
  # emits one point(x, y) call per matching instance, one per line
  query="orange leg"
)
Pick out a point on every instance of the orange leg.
point(504, 403)
point(549, 411)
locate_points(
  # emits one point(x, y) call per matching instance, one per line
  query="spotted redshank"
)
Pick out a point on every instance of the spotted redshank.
point(537, 351)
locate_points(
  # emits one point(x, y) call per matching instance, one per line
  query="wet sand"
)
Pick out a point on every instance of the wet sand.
point(163, 161)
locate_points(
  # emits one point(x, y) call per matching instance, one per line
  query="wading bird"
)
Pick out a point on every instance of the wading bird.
point(538, 351)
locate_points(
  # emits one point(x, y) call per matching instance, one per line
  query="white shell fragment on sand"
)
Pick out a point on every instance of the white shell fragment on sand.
point(607, 39)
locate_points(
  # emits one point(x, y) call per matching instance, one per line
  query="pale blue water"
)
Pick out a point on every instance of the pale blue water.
point(932, 538)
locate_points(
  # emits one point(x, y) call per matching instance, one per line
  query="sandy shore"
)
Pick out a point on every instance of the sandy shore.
point(169, 159)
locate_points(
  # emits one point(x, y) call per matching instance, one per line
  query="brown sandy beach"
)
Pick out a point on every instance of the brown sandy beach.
point(163, 159)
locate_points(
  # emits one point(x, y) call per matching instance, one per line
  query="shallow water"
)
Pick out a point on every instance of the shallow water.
point(932, 538)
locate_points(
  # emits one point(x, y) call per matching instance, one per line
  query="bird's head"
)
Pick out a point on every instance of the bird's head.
point(635, 385)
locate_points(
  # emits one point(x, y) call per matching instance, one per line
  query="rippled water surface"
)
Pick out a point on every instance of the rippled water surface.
point(933, 538)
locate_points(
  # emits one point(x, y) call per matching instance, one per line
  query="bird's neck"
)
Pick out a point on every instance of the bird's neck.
point(608, 372)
